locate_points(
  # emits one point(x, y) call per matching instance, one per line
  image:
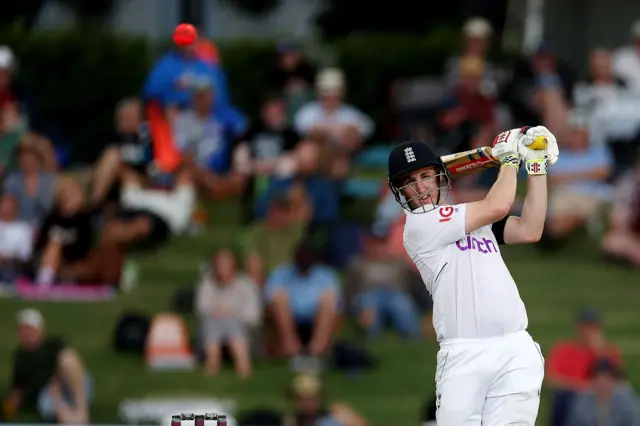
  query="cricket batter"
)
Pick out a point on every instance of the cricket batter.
point(489, 370)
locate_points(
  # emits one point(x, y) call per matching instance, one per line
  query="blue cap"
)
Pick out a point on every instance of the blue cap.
point(589, 315)
point(287, 46)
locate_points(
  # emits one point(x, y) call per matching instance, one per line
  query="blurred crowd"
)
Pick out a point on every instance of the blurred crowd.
point(182, 144)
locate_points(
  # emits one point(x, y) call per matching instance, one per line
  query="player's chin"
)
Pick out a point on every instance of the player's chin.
point(424, 201)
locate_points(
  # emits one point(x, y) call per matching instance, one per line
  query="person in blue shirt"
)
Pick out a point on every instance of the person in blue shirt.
point(174, 76)
point(322, 193)
point(303, 298)
point(579, 182)
point(205, 136)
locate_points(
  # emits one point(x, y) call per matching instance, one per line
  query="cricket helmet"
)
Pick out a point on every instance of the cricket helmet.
point(407, 158)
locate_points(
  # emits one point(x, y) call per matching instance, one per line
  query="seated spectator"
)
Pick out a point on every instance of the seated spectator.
point(538, 90)
point(48, 375)
point(569, 362)
point(379, 283)
point(579, 182)
point(303, 299)
point(626, 59)
point(158, 213)
point(131, 146)
point(262, 149)
point(609, 401)
point(306, 183)
point(343, 126)
point(228, 303)
point(312, 408)
point(16, 241)
point(293, 76)
point(19, 118)
point(64, 248)
point(272, 242)
point(205, 135)
point(602, 86)
point(467, 117)
point(32, 187)
point(476, 41)
point(622, 240)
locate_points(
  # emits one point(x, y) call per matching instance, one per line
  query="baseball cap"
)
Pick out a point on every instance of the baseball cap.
point(287, 46)
point(635, 29)
point(477, 27)
point(606, 366)
point(330, 80)
point(306, 385)
point(589, 315)
point(31, 317)
point(7, 59)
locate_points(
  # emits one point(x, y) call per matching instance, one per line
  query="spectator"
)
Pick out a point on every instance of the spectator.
point(539, 89)
point(306, 183)
point(131, 146)
point(303, 299)
point(379, 283)
point(64, 246)
point(264, 149)
point(175, 75)
point(16, 240)
point(205, 134)
point(579, 182)
point(626, 60)
point(569, 362)
point(311, 407)
point(609, 107)
point(476, 41)
point(32, 187)
point(48, 375)
point(293, 76)
point(272, 242)
point(344, 126)
point(156, 213)
point(622, 240)
point(293, 73)
point(468, 116)
point(19, 117)
point(602, 86)
point(608, 402)
point(228, 304)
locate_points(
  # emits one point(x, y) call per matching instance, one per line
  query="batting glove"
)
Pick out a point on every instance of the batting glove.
point(505, 148)
point(537, 160)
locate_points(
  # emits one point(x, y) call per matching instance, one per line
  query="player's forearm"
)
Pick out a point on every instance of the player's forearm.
point(503, 191)
point(534, 210)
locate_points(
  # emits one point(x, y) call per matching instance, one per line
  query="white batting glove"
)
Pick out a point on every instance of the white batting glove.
point(536, 161)
point(506, 148)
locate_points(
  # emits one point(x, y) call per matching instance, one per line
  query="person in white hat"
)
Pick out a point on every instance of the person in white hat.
point(476, 41)
point(626, 59)
point(48, 375)
point(345, 125)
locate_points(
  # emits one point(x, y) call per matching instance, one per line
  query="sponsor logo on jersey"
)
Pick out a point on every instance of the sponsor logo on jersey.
point(484, 245)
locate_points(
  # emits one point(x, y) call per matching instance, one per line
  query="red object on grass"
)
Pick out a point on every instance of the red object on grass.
point(185, 35)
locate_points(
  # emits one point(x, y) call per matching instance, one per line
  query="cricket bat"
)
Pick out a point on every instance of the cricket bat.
point(462, 163)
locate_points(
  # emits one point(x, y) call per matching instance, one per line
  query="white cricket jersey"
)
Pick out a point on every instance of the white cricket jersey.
point(474, 295)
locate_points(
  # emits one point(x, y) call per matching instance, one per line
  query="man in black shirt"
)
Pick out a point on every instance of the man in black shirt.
point(64, 245)
point(259, 153)
point(47, 375)
point(130, 146)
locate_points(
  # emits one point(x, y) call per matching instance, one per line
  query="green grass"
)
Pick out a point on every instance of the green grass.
point(553, 287)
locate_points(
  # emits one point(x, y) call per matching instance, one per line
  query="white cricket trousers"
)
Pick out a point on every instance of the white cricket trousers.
point(489, 382)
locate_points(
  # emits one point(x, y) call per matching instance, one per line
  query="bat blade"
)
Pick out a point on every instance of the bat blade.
point(463, 163)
